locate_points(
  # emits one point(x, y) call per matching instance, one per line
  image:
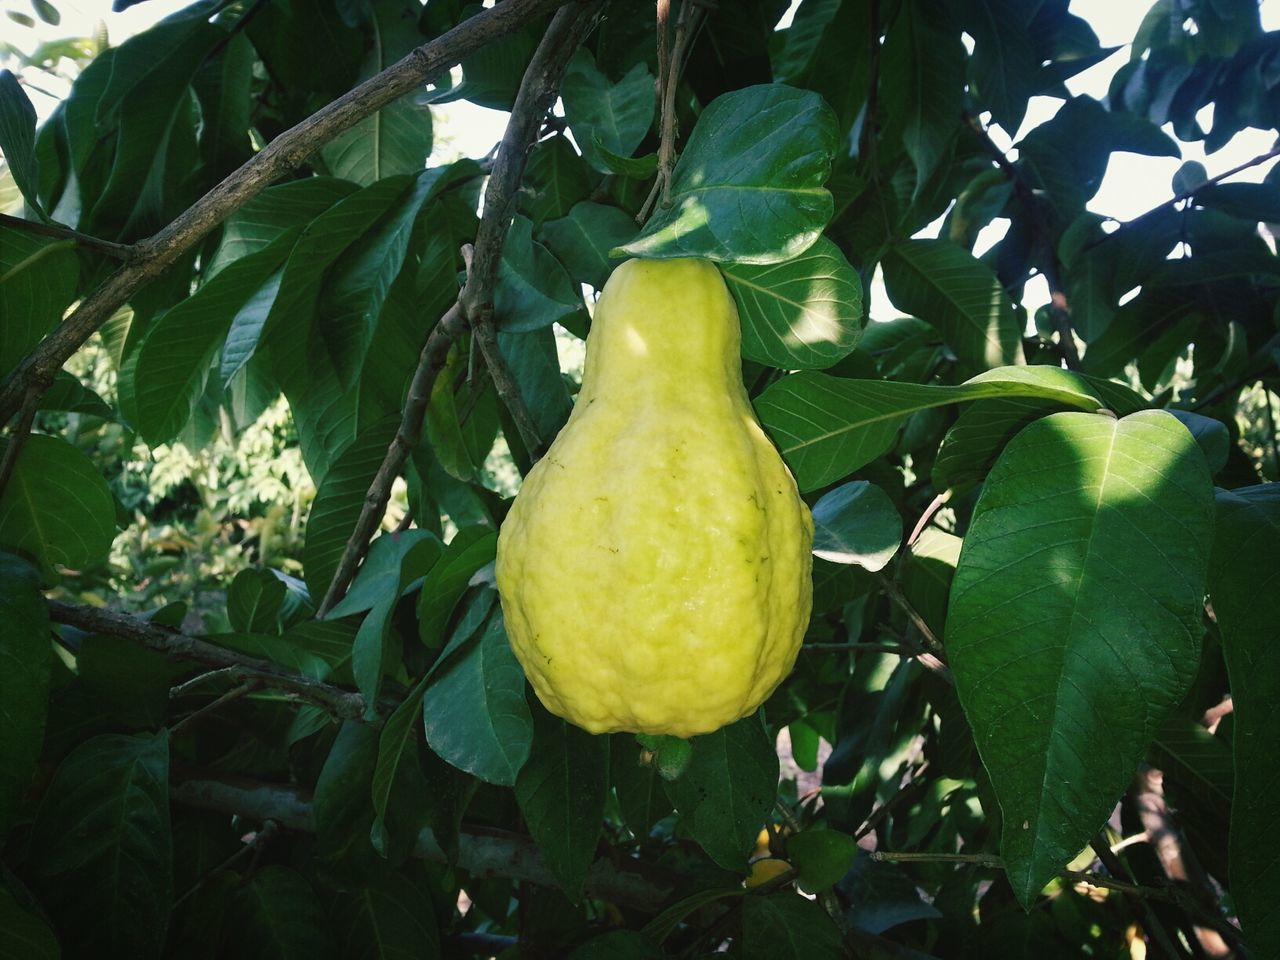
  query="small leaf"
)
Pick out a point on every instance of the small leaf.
point(882, 896)
point(400, 799)
point(18, 138)
point(583, 239)
point(56, 506)
point(805, 313)
point(341, 803)
point(615, 115)
point(786, 926)
point(101, 846)
point(821, 857)
point(25, 662)
point(254, 601)
point(943, 283)
point(475, 713)
point(748, 187)
point(1211, 437)
point(725, 794)
point(1246, 599)
point(857, 523)
point(534, 290)
point(1075, 620)
point(561, 791)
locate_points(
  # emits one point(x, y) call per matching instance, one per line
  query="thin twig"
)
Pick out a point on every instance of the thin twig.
point(481, 852)
point(19, 437)
point(157, 253)
point(345, 704)
point(235, 693)
point(932, 644)
point(897, 648)
point(121, 251)
point(430, 361)
point(538, 90)
point(257, 840)
point(670, 64)
point(925, 517)
point(981, 859)
point(905, 792)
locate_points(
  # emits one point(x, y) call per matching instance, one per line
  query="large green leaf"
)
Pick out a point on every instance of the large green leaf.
point(387, 919)
point(562, 791)
point(18, 137)
point(277, 917)
point(974, 441)
point(804, 313)
point(614, 115)
point(922, 76)
point(726, 792)
point(341, 801)
point(37, 281)
point(534, 289)
point(56, 506)
point(23, 934)
point(941, 282)
point(1075, 620)
point(1005, 65)
point(786, 926)
point(827, 427)
point(255, 600)
point(400, 792)
point(748, 187)
point(1244, 587)
point(469, 550)
point(338, 503)
point(101, 846)
point(475, 713)
point(397, 138)
point(25, 660)
point(173, 360)
point(582, 240)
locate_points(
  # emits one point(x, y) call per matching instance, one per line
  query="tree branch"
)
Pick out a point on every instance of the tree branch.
point(344, 704)
point(481, 853)
point(121, 251)
point(475, 303)
point(670, 63)
point(157, 253)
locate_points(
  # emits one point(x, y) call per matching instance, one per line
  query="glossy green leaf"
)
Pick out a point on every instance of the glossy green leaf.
point(943, 283)
point(820, 857)
point(786, 926)
point(856, 523)
point(748, 187)
point(470, 549)
point(556, 178)
point(561, 791)
point(725, 794)
point(882, 895)
point(1211, 436)
point(827, 427)
point(340, 804)
point(23, 934)
point(18, 137)
point(101, 846)
point(279, 918)
point(1074, 624)
point(390, 918)
point(804, 313)
point(475, 714)
point(173, 360)
point(1005, 66)
point(615, 115)
point(397, 138)
point(25, 660)
point(582, 240)
point(1243, 589)
point(56, 506)
point(337, 505)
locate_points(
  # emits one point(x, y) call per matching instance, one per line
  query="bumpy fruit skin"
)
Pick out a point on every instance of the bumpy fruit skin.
point(655, 569)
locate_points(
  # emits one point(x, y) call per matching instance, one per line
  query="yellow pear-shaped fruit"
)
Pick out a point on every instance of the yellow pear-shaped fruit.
point(655, 569)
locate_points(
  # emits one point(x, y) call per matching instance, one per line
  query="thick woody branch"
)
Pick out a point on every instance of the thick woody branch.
point(487, 853)
point(157, 253)
point(538, 91)
point(341, 703)
point(475, 304)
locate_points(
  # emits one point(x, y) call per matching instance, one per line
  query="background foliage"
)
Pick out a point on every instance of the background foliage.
point(995, 714)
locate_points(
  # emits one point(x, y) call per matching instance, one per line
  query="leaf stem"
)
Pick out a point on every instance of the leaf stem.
point(121, 251)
